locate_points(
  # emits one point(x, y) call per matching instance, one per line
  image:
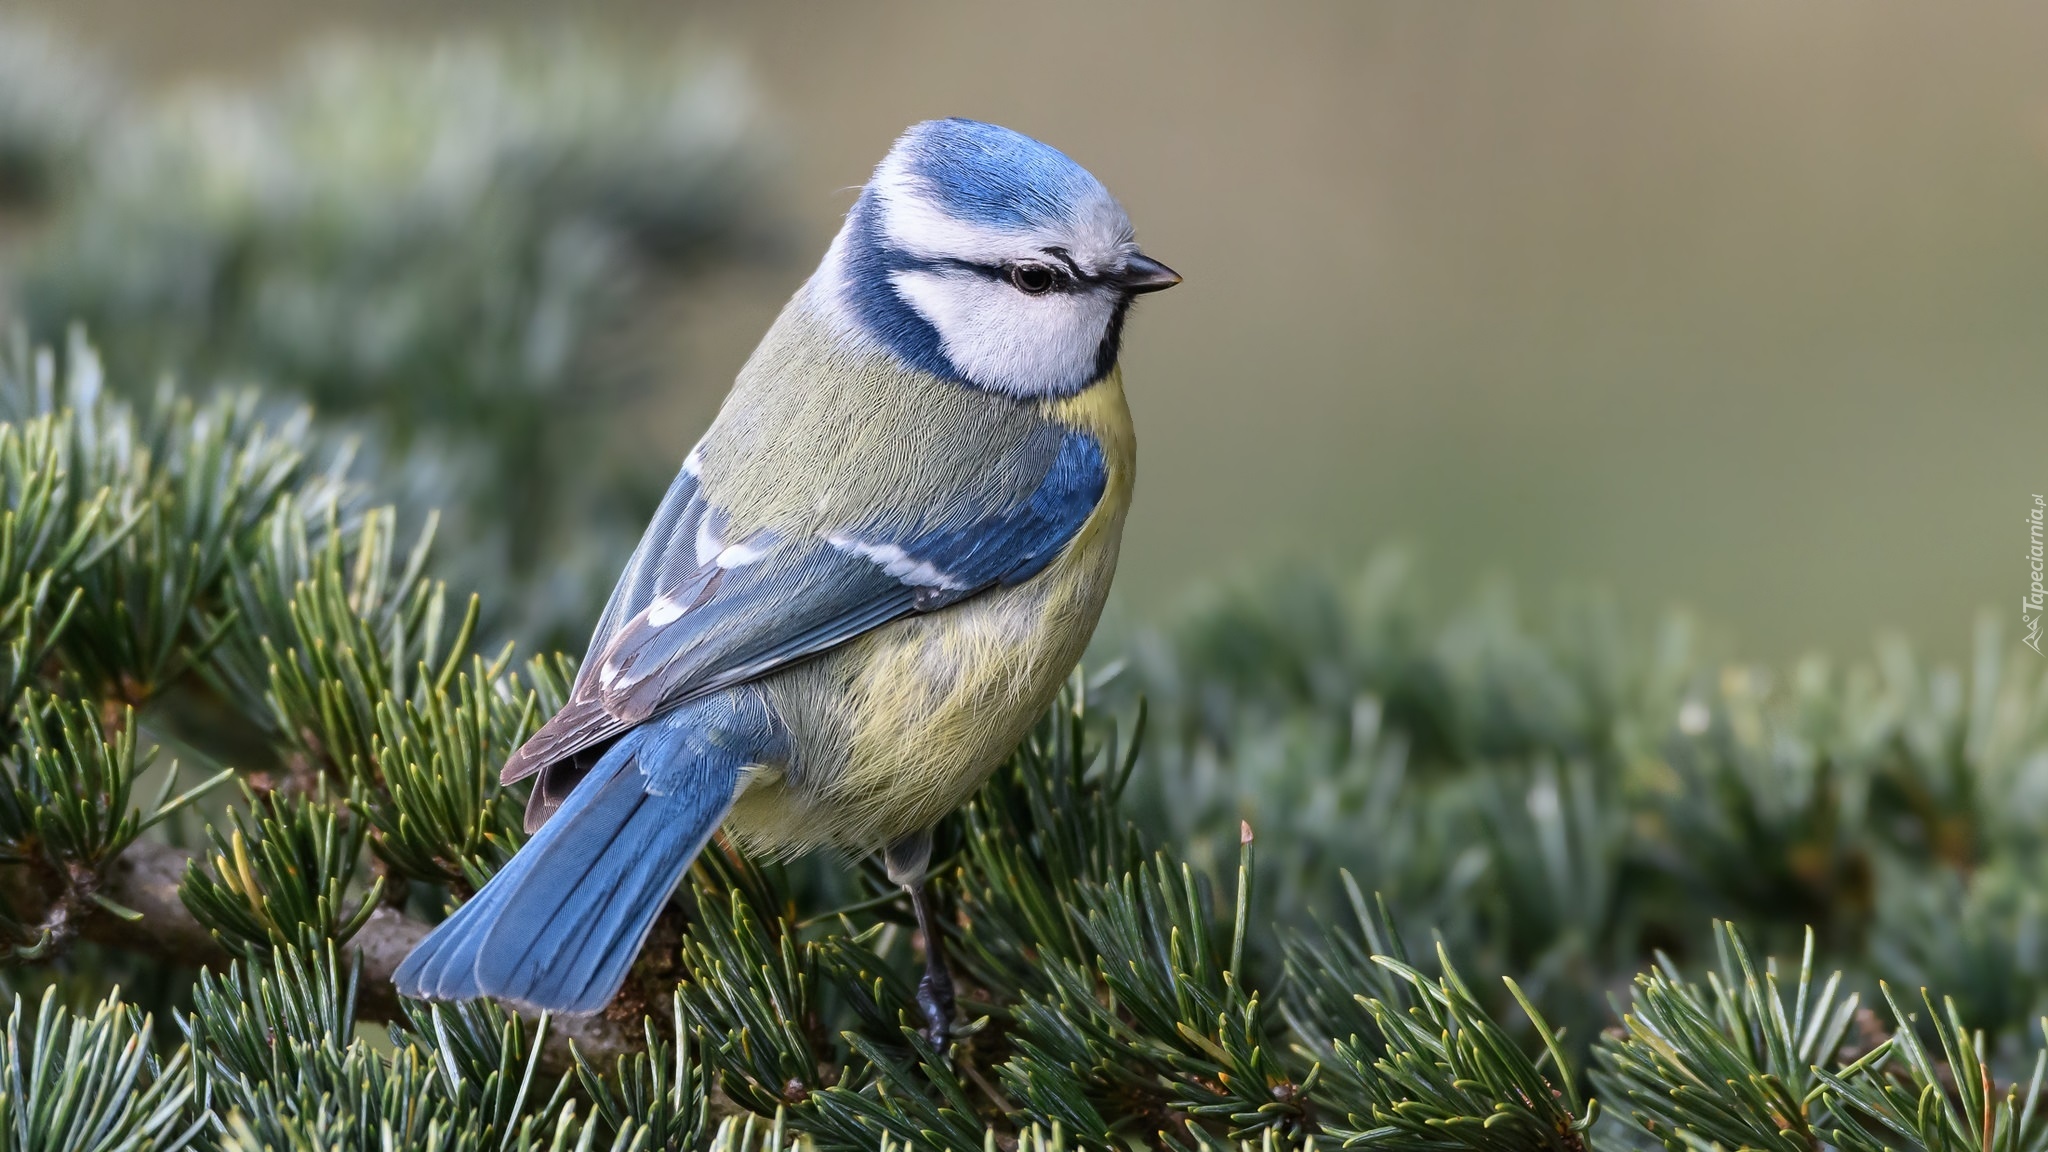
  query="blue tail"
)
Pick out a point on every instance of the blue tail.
point(559, 926)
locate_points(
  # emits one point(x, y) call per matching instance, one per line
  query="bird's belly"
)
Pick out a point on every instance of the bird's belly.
point(899, 727)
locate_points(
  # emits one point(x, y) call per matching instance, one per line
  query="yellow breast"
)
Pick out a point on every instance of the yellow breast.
point(917, 713)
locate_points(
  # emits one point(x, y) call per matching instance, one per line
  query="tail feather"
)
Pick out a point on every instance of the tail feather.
point(443, 966)
point(566, 944)
point(559, 926)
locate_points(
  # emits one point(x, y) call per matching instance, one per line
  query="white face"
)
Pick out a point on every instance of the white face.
point(1018, 311)
point(1005, 339)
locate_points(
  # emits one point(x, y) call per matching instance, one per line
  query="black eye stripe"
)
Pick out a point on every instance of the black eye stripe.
point(1064, 278)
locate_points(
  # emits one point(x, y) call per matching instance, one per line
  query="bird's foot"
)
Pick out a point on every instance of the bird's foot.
point(935, 1000)
point(935, 990)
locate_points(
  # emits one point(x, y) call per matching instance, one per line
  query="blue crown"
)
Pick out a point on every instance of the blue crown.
point(991, 175)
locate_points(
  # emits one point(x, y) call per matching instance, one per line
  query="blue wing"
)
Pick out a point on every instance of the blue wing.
point(696, 611)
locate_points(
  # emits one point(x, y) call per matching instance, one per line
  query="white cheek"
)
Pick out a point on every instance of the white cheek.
point(1000, 338)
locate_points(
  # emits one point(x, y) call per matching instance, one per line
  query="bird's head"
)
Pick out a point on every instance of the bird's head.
point(983, 256)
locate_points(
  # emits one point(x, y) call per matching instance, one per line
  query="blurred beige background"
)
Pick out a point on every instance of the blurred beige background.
point(1739, 306)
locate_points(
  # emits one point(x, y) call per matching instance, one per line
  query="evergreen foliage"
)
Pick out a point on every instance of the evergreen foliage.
point(185, 580)
point(1121, 996)
point(1563, 800)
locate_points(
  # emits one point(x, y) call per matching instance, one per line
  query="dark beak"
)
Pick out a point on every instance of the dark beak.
point(1144, 274)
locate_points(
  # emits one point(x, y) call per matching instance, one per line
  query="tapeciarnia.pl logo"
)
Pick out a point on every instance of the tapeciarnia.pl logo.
point(2032, 603)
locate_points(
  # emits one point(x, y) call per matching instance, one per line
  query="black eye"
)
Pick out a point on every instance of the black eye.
point(1033, 279)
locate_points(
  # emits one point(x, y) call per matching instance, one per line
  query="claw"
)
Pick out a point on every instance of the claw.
point(935, 1000)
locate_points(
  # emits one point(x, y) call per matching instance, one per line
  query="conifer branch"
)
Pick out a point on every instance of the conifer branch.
point(146, 878)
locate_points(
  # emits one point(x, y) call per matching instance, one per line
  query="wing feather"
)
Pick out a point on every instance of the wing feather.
point(694, 613)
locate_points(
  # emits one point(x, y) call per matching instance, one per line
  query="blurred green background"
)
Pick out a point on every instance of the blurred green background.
point(1736, 306)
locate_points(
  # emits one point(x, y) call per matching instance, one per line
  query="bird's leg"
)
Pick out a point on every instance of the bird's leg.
point(935, 990)
point(905, 861)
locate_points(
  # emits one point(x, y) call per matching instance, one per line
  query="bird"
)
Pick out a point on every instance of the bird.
point(869, 578)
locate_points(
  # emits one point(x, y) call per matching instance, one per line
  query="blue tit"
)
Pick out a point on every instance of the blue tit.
point(869, 579)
